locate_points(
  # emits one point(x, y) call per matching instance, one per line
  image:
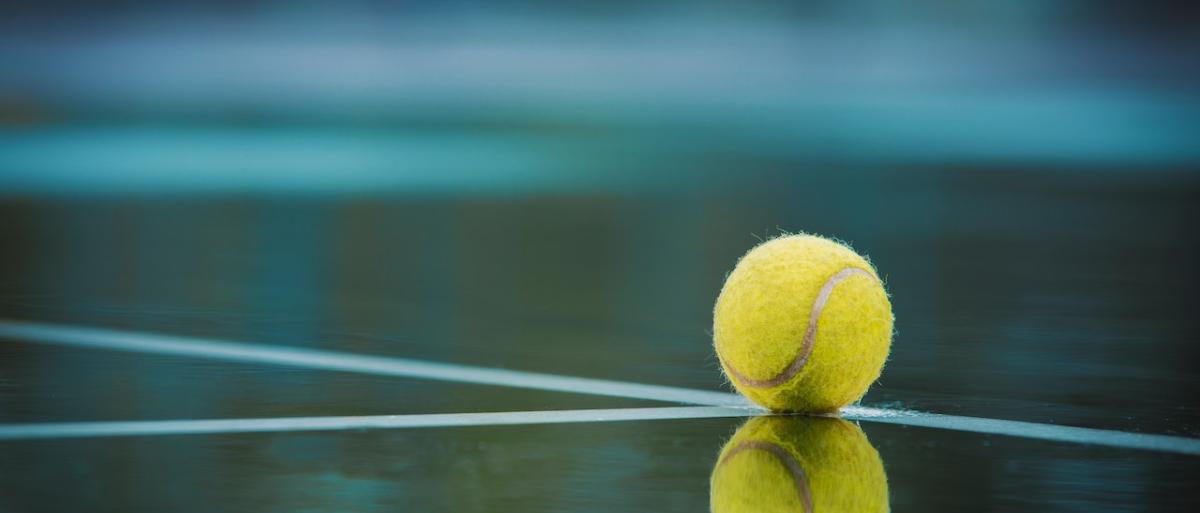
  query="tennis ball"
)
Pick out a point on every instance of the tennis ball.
point(802, 324)
point(798, 464)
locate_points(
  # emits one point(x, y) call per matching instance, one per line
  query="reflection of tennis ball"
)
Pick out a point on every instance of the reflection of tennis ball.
point(798, 464)
point(802, 324)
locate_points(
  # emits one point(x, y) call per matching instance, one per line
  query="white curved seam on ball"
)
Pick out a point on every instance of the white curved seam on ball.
point(810, 334)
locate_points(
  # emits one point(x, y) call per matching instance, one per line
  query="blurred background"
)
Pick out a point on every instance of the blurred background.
point(561, 187)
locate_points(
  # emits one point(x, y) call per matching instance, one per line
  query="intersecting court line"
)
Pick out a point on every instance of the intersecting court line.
point(290, 424)
point(712, 404)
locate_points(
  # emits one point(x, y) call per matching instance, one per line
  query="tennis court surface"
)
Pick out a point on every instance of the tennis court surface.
point(549, 355)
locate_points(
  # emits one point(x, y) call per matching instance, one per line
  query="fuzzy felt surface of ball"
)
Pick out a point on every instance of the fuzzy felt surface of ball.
point(802, 324)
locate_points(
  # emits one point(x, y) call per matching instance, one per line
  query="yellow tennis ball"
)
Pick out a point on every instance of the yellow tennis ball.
point(798, 464)
point(802, 324)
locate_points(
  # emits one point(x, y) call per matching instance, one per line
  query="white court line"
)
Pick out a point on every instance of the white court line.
point(1016, 428)
point(335, 361)
point(290, 424)
point(328, 360)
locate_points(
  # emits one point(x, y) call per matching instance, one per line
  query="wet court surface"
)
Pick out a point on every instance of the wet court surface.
point(1052, 297)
